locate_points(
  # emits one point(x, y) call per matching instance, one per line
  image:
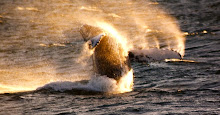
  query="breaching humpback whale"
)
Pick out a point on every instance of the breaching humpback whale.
point(109, 58)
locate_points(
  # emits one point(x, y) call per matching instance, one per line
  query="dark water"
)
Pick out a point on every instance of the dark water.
point(40, 43)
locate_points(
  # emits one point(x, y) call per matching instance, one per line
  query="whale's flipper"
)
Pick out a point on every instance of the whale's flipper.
point(152, 55)
point(96, 40)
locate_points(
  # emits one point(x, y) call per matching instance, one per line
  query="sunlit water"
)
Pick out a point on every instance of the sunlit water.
point(40, 43)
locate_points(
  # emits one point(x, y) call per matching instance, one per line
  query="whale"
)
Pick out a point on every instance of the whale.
point(108, 54)
point(108, 57)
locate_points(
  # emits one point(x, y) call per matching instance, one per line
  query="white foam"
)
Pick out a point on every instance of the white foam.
point(96, 83)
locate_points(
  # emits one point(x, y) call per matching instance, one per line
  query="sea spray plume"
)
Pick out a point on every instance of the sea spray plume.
point(146, 24)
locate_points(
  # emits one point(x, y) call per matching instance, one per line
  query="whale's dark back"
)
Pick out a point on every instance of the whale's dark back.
point(109, 59)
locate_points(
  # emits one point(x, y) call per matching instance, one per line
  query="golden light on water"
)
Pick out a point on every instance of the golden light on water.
point(179, 60)
point(29, 79)
point(197, 33)
point(89, 8)
point(18, 80)
point(27, 8)
point(204, 31)
point(13, 89)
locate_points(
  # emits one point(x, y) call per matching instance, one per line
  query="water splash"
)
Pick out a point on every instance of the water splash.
point(96, 83)
point(126, 82)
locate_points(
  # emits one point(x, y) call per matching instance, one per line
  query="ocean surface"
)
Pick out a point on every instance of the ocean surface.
point(43, 69)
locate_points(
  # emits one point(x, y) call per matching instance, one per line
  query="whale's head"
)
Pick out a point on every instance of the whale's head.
point(89, 32)
point(92, 35)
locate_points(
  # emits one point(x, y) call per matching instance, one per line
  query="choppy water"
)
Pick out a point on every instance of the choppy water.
point(40, 44)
